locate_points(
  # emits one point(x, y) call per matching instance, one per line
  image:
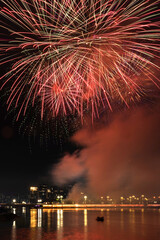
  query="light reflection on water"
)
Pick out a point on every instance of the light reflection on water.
point(14, 230)
point(59, 224)
point(14, 210)
point(85, 224)
point(24, 210)
point(81, 224)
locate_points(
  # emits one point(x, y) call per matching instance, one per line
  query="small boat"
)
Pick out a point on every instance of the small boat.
point(100, 219)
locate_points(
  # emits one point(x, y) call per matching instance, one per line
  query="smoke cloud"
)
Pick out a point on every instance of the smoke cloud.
point(120, 158)
point(70, 168)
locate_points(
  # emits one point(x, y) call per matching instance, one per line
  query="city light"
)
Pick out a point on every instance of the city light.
point(60, 197)
point(54, 195)
point(85, 198)
point(34, 189)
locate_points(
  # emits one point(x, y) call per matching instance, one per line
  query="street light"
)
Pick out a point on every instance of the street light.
point(122, 199)
point(60, 198)
point(85, 198)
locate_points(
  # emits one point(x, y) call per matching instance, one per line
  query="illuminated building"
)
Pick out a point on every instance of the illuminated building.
point(49, 194)
point(33, 195)
point(43, 192)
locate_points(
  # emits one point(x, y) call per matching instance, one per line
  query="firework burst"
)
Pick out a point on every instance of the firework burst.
point(73, 55)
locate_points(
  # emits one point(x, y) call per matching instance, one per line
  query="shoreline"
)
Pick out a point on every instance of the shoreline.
point(76, 206)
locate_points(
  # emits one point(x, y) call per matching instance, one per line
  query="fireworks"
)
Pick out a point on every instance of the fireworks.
point(73, 55)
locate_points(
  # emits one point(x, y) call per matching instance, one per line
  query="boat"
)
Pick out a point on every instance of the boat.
point(100, 219)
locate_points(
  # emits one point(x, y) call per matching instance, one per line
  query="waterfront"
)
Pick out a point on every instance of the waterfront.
point(81, 224)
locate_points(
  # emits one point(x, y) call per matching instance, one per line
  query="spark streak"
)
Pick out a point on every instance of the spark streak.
point(74, 55)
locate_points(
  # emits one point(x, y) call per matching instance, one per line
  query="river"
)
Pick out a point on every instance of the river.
point(81, 224)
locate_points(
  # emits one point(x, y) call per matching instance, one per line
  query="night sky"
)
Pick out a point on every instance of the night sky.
point(127, 142)
point(25, 161)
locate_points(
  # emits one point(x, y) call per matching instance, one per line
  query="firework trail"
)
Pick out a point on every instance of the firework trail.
point(73, 55)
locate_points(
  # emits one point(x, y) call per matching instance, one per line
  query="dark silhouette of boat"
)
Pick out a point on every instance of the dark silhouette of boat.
point(100, 219)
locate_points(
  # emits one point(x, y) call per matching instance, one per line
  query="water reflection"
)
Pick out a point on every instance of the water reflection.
point(39, 224)
point(39, 217)
point(85, 224)
point(122, 218)
point(81, 224)
point(14, 230)
point(85, 217)
point(23, 210)
point(133, 221)
point(33, 218)
point(49, 217)
point(59, 224)
point(36, 224)
point(14, 210)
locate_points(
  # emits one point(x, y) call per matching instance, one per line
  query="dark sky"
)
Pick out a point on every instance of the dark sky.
point(133, 133)
point(23, 161)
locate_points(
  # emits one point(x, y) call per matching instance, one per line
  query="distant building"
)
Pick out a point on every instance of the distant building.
point(33, 194)
point(2, 198)
point(44, 193)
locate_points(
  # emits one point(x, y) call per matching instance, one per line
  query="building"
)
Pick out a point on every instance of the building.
point(50, 194)
point(33, 194)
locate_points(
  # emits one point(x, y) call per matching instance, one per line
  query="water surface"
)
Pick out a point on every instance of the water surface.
point(81, 224)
